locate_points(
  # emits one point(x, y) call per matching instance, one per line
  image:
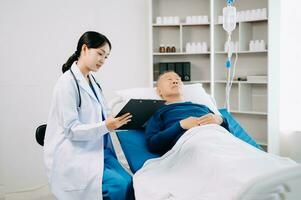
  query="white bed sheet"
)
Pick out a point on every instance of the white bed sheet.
point(207, 163)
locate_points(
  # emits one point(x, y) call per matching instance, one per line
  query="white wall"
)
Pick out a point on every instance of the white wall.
point(290, 65)
point(274, 75)
point(36, 38)
point(290, 79)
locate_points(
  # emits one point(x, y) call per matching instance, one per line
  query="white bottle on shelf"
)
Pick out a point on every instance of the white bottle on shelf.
point(170, 20)
point(194, 19)
point(177, 20)
point(253, 15)
point(188, 47)
point(248, 15)
point(242, 16)
point(258, 14)
point(199, 48)
point(200, 20)
point(158, 20)
point(238, 17)
point(193, 47)
point(188, 19)
point(165, 20)
point(262, 45)
point(206, 19)
point(257, 45)
point(251, 45)
point(204, 47)
point(264, 13)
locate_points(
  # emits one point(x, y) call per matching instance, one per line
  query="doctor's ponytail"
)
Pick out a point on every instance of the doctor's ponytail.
point(69, 62)
point(92, 40)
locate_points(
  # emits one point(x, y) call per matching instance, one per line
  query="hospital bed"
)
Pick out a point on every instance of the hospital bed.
point(132, 151)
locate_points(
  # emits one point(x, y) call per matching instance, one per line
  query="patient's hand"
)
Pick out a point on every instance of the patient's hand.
point(210, 119)
point(114, 123)
point(189, 122)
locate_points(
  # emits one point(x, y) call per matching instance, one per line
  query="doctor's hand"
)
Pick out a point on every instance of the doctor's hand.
point(210, 119)
point(114, 123)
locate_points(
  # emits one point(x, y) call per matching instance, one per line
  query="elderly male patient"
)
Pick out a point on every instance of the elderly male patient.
point(205, 159)
point(168, 124)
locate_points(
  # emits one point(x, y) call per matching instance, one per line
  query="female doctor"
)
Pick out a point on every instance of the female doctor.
point(79, 163)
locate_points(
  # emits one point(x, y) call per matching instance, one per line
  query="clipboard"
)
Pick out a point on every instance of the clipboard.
point(141, 110)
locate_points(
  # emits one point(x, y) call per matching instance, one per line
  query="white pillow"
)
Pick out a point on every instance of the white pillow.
point(193, 92)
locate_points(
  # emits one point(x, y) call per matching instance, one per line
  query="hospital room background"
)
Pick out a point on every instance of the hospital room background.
point(36, 38)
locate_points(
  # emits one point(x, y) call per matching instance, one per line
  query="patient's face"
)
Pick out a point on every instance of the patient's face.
point(169, 84)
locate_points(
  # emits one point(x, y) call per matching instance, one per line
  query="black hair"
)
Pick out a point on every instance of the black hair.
point(90, 38)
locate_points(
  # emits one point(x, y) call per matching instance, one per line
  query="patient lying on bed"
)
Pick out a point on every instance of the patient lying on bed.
point(201, 160)
point(169, 123)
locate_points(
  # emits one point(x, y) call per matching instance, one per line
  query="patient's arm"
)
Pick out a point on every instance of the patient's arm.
point(161, 140)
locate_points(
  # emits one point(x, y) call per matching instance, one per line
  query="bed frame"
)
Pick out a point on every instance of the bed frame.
point(283, 185)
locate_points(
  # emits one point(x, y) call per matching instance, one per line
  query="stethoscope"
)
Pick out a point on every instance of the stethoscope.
point(107, 142)
point(79, 95)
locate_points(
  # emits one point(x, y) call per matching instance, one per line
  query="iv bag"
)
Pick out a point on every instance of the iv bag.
point(229, 18)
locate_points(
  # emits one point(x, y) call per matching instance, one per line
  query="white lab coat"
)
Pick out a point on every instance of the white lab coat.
point(73, 146)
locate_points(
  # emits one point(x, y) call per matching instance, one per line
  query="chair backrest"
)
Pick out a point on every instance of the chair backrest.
point(40, 134)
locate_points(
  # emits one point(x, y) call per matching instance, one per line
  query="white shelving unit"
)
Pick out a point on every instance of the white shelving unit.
point(248, 99)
